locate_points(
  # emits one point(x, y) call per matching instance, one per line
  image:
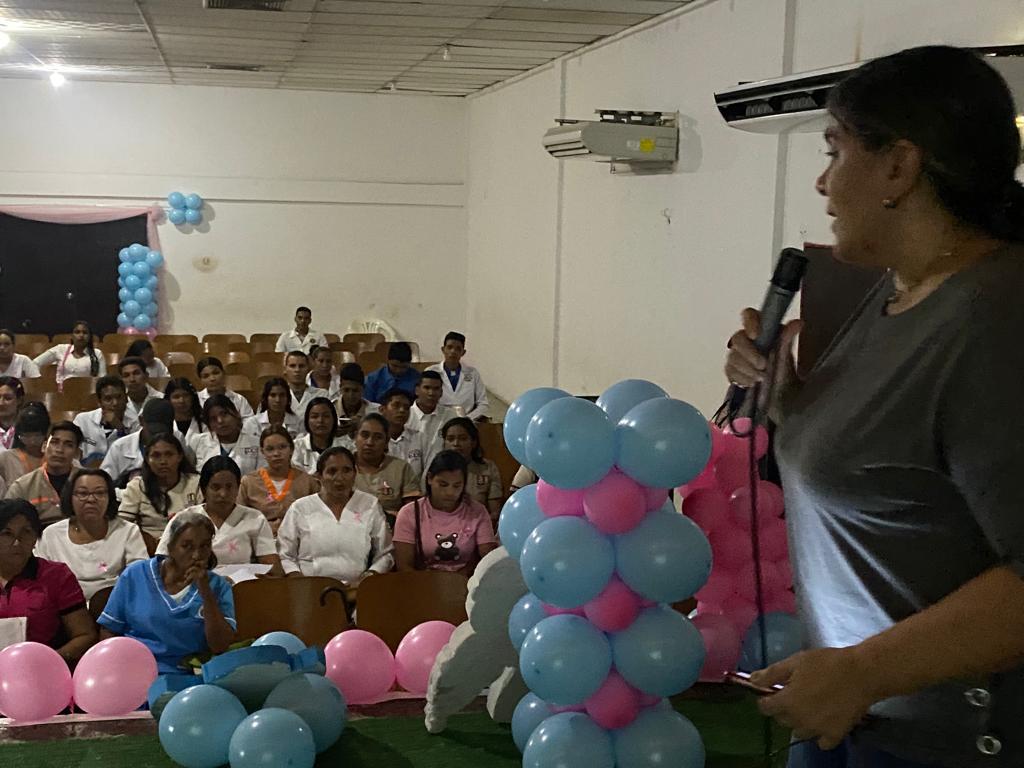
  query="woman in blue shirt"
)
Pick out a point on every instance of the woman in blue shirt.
point(173, 603)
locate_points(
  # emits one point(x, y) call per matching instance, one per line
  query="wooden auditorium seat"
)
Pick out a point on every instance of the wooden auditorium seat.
point(264, 338)
point(223, 339)
point(391, 604)
point(313, 608)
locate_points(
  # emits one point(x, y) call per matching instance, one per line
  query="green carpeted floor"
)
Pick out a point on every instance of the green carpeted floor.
point(731, 729)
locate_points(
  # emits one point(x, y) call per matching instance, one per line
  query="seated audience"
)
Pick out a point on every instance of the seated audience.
point(12, 395)
point(390, 479)
point(275, 410)
point(273, 488)
point(44, 592)
point(211, 373)
point(92, 540)
point(339, 532)
point(446, 530)
point(483, 480)
point(321, 433)
point(397, 372)
point(102, 426)
point(136, 385)
point(464, 390)
point(12, 363)
point(350, 404)
point(168, 484)
point(322, 374)
point(242, 534)
point(301, 338)
point(26, 452)
point(404, 442)
point(79, 358)
point(225, 436)
point(173, 603)
point(296, 369)
point(124, 456)
point(427, 415)
point(154, 365)
point(188, 413)
point(524, 476)
point(41, 487)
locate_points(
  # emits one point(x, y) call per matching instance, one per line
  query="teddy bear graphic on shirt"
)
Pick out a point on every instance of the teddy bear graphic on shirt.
point(447, 547)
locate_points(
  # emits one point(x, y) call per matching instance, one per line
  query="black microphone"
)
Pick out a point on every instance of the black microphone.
point(784, 285)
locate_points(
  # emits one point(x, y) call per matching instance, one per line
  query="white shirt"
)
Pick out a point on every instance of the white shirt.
point(289, 341)
point(469, 398)
point(311, 541)
point(21, 367)
point(69, 366)
point(333, 389)
point(97, 438)
point(245, 452)
point(133, 412)
point(255, 425)
point(299, 405)
point(305, 458)
point(408, 447)
point(243, 536)
point(185, 439)
point(123, 455)
point(97, 564)
point(158, 370)
point(244, 409)
point(429, 426)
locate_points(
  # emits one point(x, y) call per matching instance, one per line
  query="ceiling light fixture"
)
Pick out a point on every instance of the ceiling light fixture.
point(57, 79)
point(5, 39)
point(446, 53)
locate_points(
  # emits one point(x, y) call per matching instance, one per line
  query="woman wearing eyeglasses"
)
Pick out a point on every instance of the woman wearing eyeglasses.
point(92, 540)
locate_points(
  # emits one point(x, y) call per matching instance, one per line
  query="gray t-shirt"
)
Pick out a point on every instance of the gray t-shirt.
point(902, 460)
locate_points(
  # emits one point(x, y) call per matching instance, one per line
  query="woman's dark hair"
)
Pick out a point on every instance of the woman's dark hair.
point(217, 464)
point(268, 385)
point(207, 361)
point(94, 361)
point(158, 496)
point(12, 508)
point(137, 348)
point(9, 334)
point(219, 401)
point(15, 384)
point(477, 454)
point(181, 384)
point(448, 461)
point(335, 450)
point(33, 418)
point(379, 418)
point(334, 419)
point(69, 489)
point(959, 111)
point(277, 429)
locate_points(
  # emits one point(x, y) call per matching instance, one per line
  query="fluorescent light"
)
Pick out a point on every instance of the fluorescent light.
point(57, 79)
point(4, 39)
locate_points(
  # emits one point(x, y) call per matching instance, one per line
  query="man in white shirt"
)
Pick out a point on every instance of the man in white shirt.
point(462, 387)
point(296, 371)
point(351, 405)
point(403, 442)
point(302, 338)
point(125, 455)
point(104, 425)
point(136, 383)
point(427, 415)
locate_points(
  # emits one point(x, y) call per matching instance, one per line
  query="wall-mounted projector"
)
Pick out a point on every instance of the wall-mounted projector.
point(639, 141)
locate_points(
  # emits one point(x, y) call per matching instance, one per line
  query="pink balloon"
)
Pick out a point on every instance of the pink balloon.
point(131, 330)
point(733, 469)
point(418, 651)
point(772, 581)
point(783, 602)
point(615, 608)
point(614, 505)
point(769, 505)
point(113, 677)
point(35, 682)
point(554, 610)
point(742, 426)
point(773, 541)
point(708, 508)
point(723, 644)
point(152, 332)
point(559, 502)
point(654, 498)
point(361, 665)
point(616, 703)
point(731, 548)
point(719, 588)
point(705, 479)
point(786, 570)
point(740, 612)
point(649, 699)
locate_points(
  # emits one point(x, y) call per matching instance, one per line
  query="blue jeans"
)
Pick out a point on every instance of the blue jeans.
point(846, 755)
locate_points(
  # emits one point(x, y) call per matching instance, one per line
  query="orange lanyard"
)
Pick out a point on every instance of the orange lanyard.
point(269, 484)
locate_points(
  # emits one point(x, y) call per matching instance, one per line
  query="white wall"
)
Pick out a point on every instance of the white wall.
point(353, 204)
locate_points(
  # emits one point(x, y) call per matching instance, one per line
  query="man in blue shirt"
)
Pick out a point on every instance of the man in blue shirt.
point(398, 373)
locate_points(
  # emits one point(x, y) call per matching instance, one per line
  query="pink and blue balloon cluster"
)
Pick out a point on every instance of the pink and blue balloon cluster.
point(138, 287)
point(604, 554)
point(185, 209)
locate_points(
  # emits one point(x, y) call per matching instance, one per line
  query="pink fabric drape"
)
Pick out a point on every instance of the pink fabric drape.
point(89, 214)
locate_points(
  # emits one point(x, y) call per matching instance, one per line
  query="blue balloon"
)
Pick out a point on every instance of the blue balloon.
point(619, 399)
point(193, 202)
point(518, 416)
point(120, 282)
point(570, 740)
point(525, 615)
point(316, 700)
point(124, 255)
point(141, 269)
point(570, 443)
point(176, 216)
point(666, 558)
point(197, 724)
point(132, 308)
point(659, 737)
point(519, 517)
point(286, 640)
point(530, 712)
point(567, 562)
point(176, 200)
point(138, 252)
point(124, 269)
point(143, 295)
point(142, 322)
point(784, 636)
point(124, 295)
point(152, 282)
point(154, 259)
point(660, 653)
point(663, 443)
point(150, 309)
point(192, 216)
point(565, 659)
point(132, 282)
point(272, 736)
point(123, 321)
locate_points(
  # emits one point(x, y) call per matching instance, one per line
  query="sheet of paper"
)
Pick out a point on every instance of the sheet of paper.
point(12, 631)
point(241, 572)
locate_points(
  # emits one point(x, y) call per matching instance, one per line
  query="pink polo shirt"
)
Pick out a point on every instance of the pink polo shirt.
point(43, 592)
point(450, 539)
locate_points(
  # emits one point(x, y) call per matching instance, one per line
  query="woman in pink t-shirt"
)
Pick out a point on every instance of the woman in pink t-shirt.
point(446, 530)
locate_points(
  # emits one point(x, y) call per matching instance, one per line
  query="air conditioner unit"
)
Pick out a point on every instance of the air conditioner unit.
point(636, 140)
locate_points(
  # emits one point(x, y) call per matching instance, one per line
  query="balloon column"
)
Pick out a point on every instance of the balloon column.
point(138, 287)
point(185, 209)
point(603, 551)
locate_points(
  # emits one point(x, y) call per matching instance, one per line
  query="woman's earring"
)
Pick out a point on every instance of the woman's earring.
point(889, 203)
